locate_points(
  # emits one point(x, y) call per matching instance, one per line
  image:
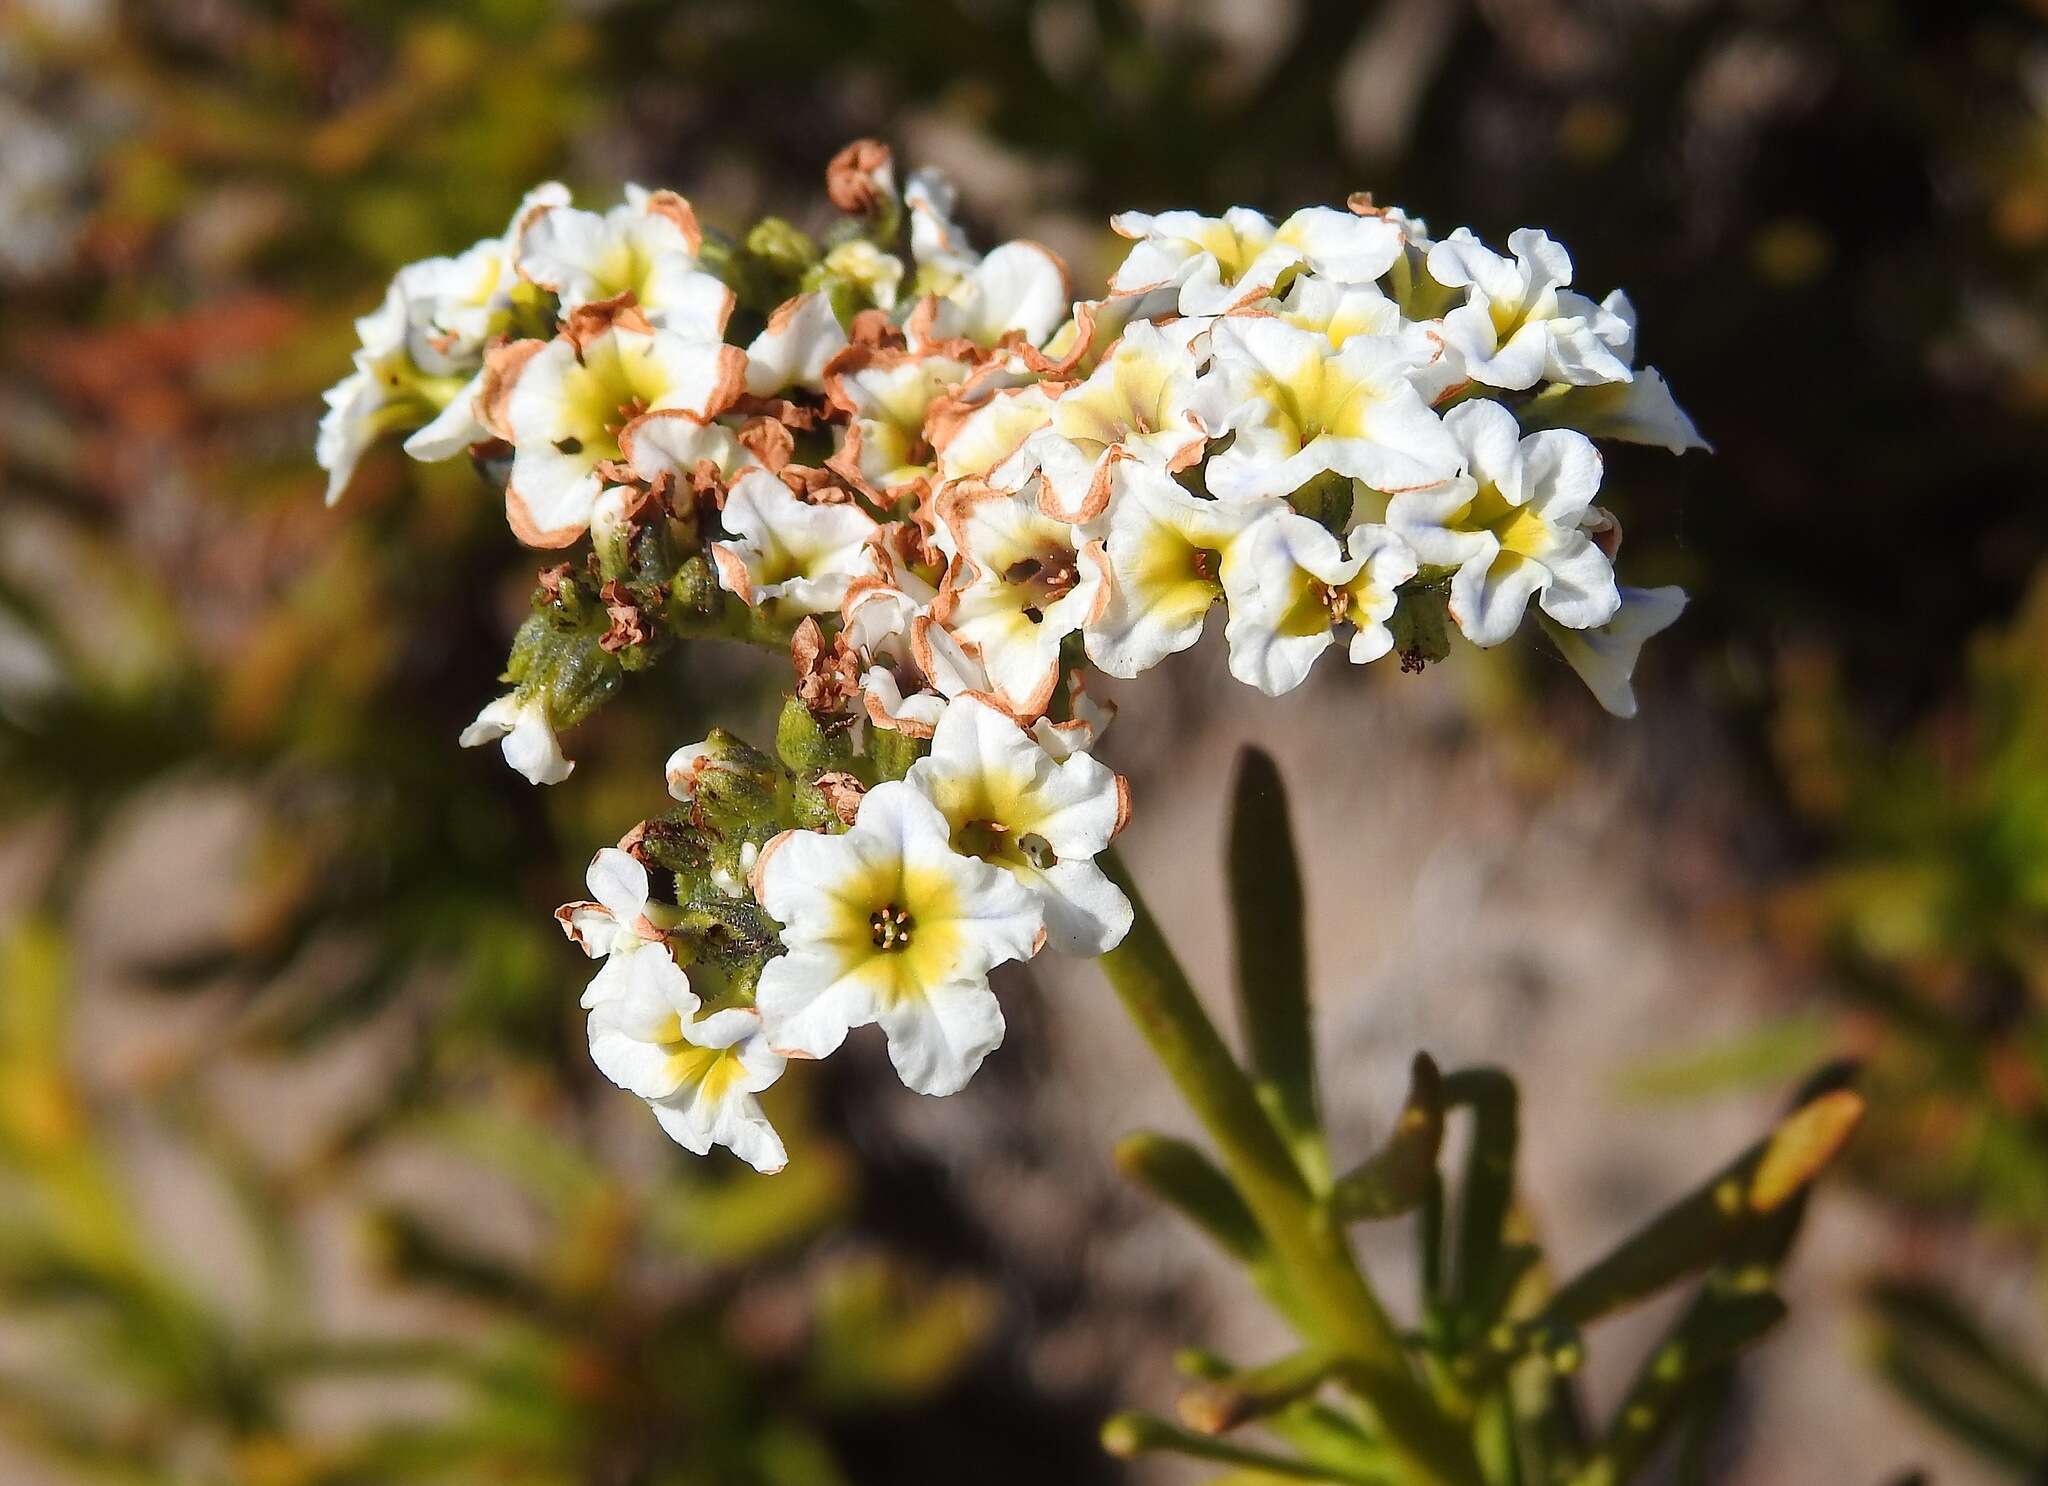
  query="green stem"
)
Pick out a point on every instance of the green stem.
point(1345, 1316)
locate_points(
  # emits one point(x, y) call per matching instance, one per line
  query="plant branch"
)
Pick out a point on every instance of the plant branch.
point(1341, 1311)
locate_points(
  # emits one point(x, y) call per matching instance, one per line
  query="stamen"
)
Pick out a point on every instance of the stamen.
point(627, 411)
point(889, 927)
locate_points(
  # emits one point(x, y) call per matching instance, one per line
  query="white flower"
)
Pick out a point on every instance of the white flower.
point(455, 305)
point(1300, 407)
point(683, 767)
point(988, 444)
point(1605, 655)
point(529, 737)
point(1519, 323)
point(1337, 311)
point(1081, 731)
point(1010, 803)
point(674, 444)
point(699, 1073)
point(789, 557)
point(458, 425)
point(617, 924)
point(887, 923)
point(721, 1062)
point(910, 664)
point(1094, 326)
point(646, 247)
point(565, 404)
point(1137, 403)
point(1168, 554)
point(862, 266)
point(1639, 411)
point(1292, 584)
point(888, 395)
point(1512, 526)
point(1224, 263)
point(453, 308)
point(385, 393)
point(937, 243)
point(800, 339)
point(1022, 583)
point(1018, 291)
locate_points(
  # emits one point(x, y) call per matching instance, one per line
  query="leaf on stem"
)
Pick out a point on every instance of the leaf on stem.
point(1129, 1435)
point(1221, 1404)
point(1489, 1185)
point(1720, 1324)
point(1190, 1183)
point(1268, 910)
point(1396, 1179)
point(1700, 1227)
point(1734, 1305)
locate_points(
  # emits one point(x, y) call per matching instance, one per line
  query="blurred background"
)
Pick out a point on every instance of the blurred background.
point(304, 1177)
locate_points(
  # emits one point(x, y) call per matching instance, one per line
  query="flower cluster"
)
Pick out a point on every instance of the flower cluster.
point(951, 490)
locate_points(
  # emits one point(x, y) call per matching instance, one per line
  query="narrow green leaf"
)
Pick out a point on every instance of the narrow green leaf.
point(1322, 1432)
point(1768, 1055)
point(1429, 1239)
point(1396, 1179)
point(1719, 1325)
point(1129, 1435)
point(1192, 1185)
point(1221, 1404)
point(1489, 1183)
point(1734, 1305)
point(1268, 909)
point(1704, 1226)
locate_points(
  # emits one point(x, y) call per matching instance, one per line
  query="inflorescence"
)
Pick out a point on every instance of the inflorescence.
point(952, 490)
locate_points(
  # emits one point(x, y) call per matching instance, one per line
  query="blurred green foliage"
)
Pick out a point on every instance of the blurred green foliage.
point(637, 1337)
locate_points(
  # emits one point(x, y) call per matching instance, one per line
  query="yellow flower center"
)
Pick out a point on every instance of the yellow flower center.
point(1517, 528)
point(614, 384)
point(714, 1069)
point(898, 928)
point(1232, 253)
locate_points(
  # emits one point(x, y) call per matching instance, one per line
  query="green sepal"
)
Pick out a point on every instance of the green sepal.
point(1421, 625)
point(891, 753)
point(556, 656)
point(809, 747)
